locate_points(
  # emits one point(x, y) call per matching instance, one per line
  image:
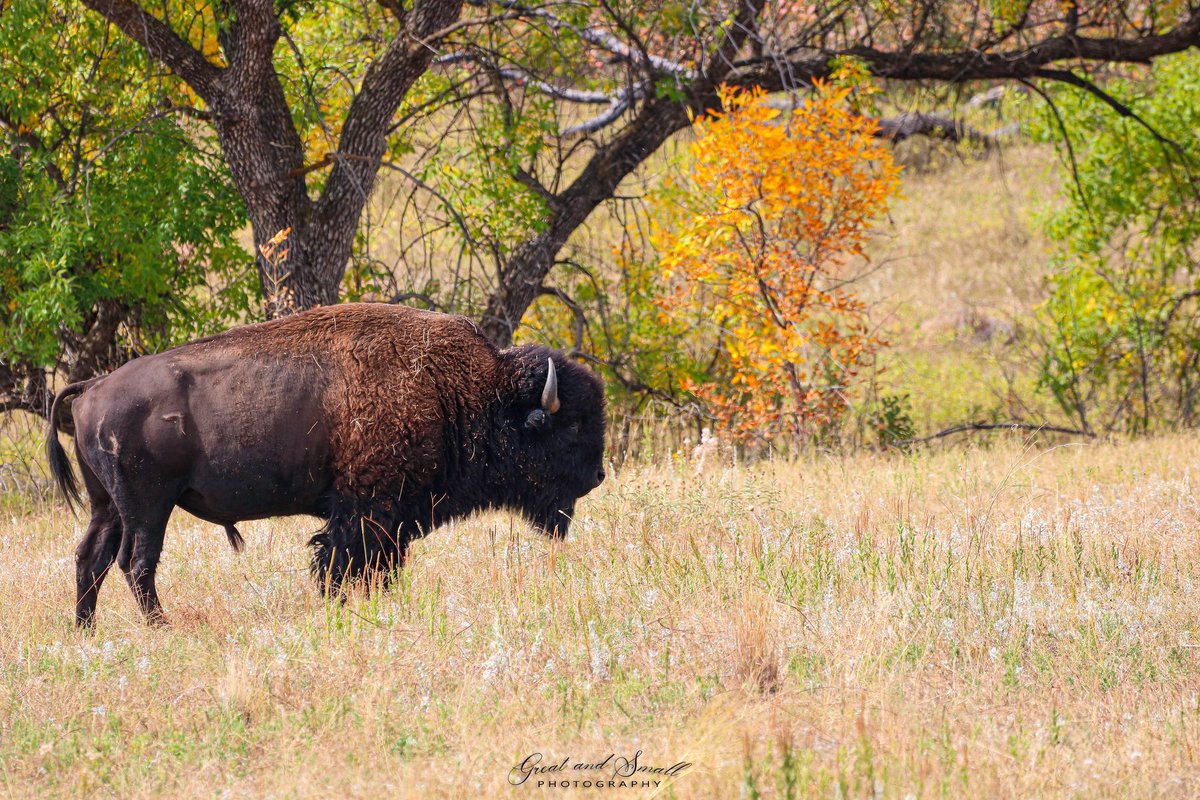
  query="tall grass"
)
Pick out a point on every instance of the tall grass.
point(989, 623)
point(24, 475)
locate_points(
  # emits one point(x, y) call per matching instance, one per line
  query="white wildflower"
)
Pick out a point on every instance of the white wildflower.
point(600, 653)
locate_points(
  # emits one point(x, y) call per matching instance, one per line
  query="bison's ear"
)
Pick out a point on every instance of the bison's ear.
point(537, 420)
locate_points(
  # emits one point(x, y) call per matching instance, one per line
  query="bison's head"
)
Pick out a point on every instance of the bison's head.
point(556, 421)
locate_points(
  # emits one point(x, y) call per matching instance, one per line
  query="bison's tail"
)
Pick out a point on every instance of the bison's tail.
point(60, 465)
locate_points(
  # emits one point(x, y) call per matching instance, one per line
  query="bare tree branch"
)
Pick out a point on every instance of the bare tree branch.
point(971, 64)
point(579, 319)
point(619, 104)
point(163, 44)
point(606, 41)
point(999, 426)
point(523, 78)
point(462, 224)
point(1068, 77)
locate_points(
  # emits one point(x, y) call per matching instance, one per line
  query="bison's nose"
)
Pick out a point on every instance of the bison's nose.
point(599, 477)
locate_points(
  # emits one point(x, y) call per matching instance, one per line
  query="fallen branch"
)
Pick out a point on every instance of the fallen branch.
point(998, 426)
point(918, 123)
point(429, 302)
point(940, 126)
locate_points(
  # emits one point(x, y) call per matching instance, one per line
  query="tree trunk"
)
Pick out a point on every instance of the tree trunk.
point(266, 161)
point(263, 149)
point(527, 268)
point(659, 118)
point(95, 351)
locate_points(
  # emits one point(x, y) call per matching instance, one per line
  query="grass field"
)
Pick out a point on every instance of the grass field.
point(1008, 622)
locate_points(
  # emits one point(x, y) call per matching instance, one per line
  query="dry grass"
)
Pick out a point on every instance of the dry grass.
point(984, 623)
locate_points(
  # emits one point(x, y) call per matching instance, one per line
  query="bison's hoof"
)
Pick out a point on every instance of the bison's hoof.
point(157, 619)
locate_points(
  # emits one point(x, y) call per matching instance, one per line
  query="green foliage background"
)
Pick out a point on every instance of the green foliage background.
point(1121, 320)
point(106, 193)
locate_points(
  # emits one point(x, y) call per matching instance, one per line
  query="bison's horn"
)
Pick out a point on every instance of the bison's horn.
point(550, 393)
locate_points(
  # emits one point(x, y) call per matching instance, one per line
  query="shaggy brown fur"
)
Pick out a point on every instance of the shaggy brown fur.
point(382, 420)
point(393, 376)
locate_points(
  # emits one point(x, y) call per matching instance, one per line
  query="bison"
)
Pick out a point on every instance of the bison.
point(383, 421)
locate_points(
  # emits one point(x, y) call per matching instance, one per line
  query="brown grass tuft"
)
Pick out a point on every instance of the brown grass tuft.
point(756, 659)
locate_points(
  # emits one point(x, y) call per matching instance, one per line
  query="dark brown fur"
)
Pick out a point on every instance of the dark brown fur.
point(385, 421)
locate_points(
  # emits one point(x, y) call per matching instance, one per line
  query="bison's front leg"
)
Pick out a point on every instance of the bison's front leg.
point(359, 547)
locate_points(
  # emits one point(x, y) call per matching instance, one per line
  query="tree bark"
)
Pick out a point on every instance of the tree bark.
point(264, 150)
point(265, 154)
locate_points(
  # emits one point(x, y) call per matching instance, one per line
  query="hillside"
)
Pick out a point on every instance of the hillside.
point(958, 273)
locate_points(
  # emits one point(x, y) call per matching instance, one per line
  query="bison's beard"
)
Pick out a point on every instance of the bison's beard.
point(553, 519)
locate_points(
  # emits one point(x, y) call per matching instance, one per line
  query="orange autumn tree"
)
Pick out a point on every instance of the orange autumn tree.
point(782, 203)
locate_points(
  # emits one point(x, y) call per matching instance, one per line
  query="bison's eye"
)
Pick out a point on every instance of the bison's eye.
point(537, 420)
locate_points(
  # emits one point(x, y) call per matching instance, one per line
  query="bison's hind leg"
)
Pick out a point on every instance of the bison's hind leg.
point(145, 525)
point(94, 556)
point(98, 548)
point(357, 548)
